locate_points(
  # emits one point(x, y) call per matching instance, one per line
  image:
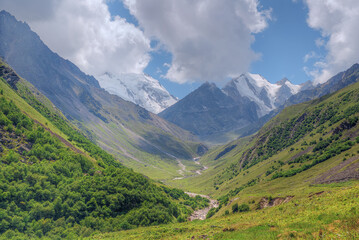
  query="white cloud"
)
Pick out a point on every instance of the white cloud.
point(309, 56)
point(84, 32)
point(319, 42)
point(36, 10)
point(208, 39)
point(338, 21)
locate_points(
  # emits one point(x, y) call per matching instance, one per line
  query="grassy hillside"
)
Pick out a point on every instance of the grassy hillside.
point(152, 162)
point(139, 139)
point(308, 139)
point(321, 212)
point(295, 179)
point(55, 183)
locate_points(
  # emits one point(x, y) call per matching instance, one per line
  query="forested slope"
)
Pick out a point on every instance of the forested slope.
point(55, 183)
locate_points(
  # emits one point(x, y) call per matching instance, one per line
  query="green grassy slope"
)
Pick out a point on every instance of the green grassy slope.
point(157, 165)
point(322, 212)
point(55, 183)
point(320, 134)
point(133, 135)
point(295, 179)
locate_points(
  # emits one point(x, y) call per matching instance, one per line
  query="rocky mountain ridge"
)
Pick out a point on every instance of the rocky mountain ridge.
point(140, 89)
point(218, 115)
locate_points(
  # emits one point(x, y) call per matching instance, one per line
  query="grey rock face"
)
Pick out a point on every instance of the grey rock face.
point(207, 110)
point(214, 113)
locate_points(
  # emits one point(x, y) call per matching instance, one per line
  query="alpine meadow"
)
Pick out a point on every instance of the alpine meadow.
point(166, 119)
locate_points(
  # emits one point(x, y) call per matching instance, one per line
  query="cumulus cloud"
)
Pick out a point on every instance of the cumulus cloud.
point(84, 32)
point(36, 10)
point(338, 22)
point(209, 39)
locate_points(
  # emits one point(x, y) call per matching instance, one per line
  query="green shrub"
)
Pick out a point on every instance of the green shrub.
point(235, 208)
point(243, 208)
point(211, 212)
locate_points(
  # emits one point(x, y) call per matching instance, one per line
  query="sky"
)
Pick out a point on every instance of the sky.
point(184, 43)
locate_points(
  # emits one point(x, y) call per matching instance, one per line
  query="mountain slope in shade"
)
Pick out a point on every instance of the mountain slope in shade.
point(141, 89)
point(219, 115)
point(207, 110)
point(123, 128)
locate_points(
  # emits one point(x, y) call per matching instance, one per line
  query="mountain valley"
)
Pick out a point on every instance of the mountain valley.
point(126, 130)
point(116, 156)
point(296, 178)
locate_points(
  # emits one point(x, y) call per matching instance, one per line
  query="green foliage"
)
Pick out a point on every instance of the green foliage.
point(195, 203)
point(240, 208)
point(243, 208)
point(331, 149)
point(48, 190)
point(235, 191)
point(292, 130)
point(235, 208)
point(74, 135)
point(211, 212)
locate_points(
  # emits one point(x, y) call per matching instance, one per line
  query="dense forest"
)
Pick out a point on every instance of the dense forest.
point(48, 189)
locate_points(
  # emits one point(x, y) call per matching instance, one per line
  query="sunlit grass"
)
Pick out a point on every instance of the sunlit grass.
point(331, 215)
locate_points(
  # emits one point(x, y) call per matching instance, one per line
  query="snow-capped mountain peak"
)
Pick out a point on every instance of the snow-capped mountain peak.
point(268, 96)
point(140, 89)
point(293, 88)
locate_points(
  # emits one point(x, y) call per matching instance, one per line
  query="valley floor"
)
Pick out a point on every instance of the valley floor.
point(201, 214)
point(323, 212)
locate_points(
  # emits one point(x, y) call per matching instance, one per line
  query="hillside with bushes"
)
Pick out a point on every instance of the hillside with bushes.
point(55, 183)
point(297, 178)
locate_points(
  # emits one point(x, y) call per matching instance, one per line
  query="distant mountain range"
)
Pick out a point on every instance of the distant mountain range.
point(267, 96)
point(128, 131)
point(244, 104)
point(339, 81)
point(141, 89)
point(216, 115)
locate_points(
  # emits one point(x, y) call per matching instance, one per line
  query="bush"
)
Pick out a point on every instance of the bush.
point(181, 219)
point(12, 157)
point(235, 208)
point(243, 208)
point(211, 212)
